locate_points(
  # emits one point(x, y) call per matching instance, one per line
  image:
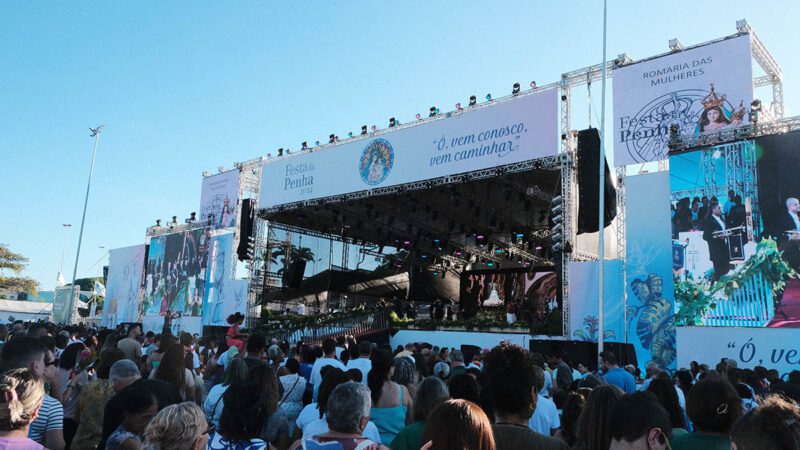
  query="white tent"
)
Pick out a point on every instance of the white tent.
point(21, 310)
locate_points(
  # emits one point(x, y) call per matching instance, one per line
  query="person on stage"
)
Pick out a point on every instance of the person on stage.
point(235, 338)
point(789, 237)
point(717, 250)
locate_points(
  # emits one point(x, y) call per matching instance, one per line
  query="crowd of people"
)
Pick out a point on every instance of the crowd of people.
point(80, 388)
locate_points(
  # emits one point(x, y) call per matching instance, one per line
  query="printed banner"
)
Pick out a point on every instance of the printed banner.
point(584, 320)
point(219, 199)
point(750, 347)
point(123, 293)
point(508, 132)
point(219, 274)
point(62, 304)
point(650, 290)
point(703, 89)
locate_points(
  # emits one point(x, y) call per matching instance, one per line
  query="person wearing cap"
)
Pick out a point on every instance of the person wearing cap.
point(441, 370)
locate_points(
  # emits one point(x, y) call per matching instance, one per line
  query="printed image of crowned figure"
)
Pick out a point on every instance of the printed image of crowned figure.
point(376, 162)
point(716, 115)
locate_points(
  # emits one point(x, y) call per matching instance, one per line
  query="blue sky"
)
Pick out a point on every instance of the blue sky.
point(184, 87)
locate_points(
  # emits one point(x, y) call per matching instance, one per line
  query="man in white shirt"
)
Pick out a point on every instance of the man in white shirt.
point(545, 418)
point(329, 359)
point(362, 363)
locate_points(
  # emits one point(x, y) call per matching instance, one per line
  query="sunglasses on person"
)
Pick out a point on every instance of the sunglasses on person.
point(50, 363)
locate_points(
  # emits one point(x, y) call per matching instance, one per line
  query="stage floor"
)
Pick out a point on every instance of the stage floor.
point(789, 317)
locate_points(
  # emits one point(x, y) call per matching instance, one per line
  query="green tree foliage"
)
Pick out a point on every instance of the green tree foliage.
point(15, 263)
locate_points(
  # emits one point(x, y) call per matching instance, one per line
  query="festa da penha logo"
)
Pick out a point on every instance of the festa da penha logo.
point(376, 161)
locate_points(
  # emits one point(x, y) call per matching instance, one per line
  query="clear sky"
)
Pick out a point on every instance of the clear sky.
point(184, 87)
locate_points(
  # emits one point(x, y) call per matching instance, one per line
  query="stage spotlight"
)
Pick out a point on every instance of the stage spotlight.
point(158, 223)
point(192, 217)
point(755, 111)
point(280, 151)
point(564, 98)
point(350, 134)
point(515, 89)
point(490, 264)
point(418, 116)
point(392, 122)
point(363, 129)
point(304, 145)
point(473, 100)
point(206, 174)
point(488, 97)
point(458, 106)
point(433, 111)
point(331, 139)
point(675, 45)
point(221, 169)
point(533, 85)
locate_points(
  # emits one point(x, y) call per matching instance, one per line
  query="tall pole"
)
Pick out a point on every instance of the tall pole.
point(60, 276)
point(601, 197)
point(95, 133)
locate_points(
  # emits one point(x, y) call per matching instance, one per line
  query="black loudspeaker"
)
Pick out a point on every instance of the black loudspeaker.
point(574, 352)
point(293, 276)
point(246, 221)
point(589, 182)
point(22, 296)
point(210, 330)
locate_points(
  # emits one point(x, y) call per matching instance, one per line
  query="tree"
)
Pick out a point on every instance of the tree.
point(15, 263)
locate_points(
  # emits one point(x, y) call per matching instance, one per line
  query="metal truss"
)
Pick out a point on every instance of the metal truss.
point(548, 162)
point(730, 134)
point(156, 231)
point(774, 75)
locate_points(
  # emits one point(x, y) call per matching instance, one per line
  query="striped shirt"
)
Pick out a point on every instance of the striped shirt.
point(51, 417)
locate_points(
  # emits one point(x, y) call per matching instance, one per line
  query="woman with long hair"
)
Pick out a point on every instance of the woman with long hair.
point(155, 359)
point(21, 396)
point(458, 425)
point(570, 413)
point(294, 386)
point(71, 377)
point(236, 372)
point(405, 374)
point(275, 428)
point(234, 336)
point(392, 406)
point(431, 393)
point(172, 369)
point(713, 406)
point(242, 420)
point(93, 401)
point(139, 408)
point(662, 387)
point(593, 432)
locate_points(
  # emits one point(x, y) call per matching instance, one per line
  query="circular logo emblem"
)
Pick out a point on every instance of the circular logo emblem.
point(376, 161)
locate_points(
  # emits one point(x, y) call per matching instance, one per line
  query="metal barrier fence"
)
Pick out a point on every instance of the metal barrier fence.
point(346, 326)
point(750, 306)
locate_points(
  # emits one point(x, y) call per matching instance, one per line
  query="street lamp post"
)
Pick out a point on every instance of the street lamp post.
point(95, 133)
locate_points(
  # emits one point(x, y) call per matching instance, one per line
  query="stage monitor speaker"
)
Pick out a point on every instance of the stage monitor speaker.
point(246, 221)
point(293, 276)
point(589, 182)
point(574, 352)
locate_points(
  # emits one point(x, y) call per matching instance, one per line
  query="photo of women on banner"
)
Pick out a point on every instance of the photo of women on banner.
point(524, 293)
point(219, 200)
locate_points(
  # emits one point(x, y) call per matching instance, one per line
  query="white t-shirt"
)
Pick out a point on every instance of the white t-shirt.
point(320, 426)
point(309, 414)
point(316, 377)
point(545, 417)
point(364, 365)
point(548, 384)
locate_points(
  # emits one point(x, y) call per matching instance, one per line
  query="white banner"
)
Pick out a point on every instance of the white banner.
point(218, 274)
point(702, 89)
point(123, 290)
point(773, 348)
point(508, 132)
point(219, 198)
point(62, 304)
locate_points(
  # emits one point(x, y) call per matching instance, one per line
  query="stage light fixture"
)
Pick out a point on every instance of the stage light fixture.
point(363, 129)
point(742, 26)
point(473, 100)
point(564, 98)
point(392, 122)
point(675, 45)
point(458, 106)
point(331, 139)
point(350, 134)
point(304, 145)
point(280, 152)
point(316, 143)
point(490, 264)
point(488, 97)
point(533, 85)
point(206, 174)
point(158, 223)
point(433, 111)
point(374, 128)
point(515, 89)
point(221, 169)
point(755, 111)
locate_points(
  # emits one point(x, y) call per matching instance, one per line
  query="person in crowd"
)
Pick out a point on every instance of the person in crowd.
point(140, 406)
point(130, 345)
point(277, 360)
point(236, 372)
point(431, 393)
point(347, 415)
point(254, 356)
point(234, 337)
point(355, 375)
point(328, 359)
point(294, 386)
point(23, 352)
point(405, 374)
point(458, 425)
point(664, 391)
point(614, 374)
point(93, 400)
point(538, 360)
point(275, 428)
point(242, 420)
point(127, 382)
point(773, 425)
point(713, 407)
point(570, 413)
point(21, 396)
point(71, 378)
point(192, 362)
point(178, 427)
point(155, 360)
point(172, 369)
point(465, 387)
point(513, 384)
point(457, 366)
point(684, 380)
point(392, 405)
point(563, 374)
point(108, 343)
point(593, 432)
point(545, 419)
point(638, 421)
point(362, 363)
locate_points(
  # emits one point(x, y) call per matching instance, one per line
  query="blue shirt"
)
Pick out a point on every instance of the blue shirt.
point(622, 379)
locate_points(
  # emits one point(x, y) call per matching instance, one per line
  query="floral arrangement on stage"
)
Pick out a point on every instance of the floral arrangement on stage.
point(488, 318)
point(696, 296)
